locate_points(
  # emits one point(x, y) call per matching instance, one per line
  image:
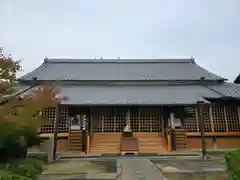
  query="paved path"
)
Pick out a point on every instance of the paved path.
point(96, 176)
point(191, 165)
point(139, 169)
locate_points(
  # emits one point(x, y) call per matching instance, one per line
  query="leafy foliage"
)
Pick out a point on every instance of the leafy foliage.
point(233, 164)
point(8, 72)
point(23, 170)
point(29, 167)
point(8, 175)
point(20, 118)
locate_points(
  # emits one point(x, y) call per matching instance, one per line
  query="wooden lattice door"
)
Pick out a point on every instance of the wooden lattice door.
point(120, 118)
point(150, 119)
point(134, 119)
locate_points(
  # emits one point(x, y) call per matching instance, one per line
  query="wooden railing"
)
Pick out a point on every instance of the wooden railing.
point(88, 143)
point(169, 142)
point(176, 139)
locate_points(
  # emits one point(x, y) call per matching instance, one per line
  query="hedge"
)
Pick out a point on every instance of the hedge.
point(233, 164)
point(26, 169)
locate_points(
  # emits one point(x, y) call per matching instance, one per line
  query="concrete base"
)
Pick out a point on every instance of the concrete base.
point(127, 134)
point(129, 152)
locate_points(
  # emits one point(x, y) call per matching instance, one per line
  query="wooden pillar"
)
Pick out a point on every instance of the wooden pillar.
point(114, 119)
point(197, 120)
point(172, 120)
point(150, 120)
point(211, 119)
point(102, 121)
point(200, 111)
point(169, 142)
point(162, 120)
point(129, 117)
point(57, 120)
point(88, 143)
point(90, 121)
point(225, 117)
point(139, 121)
point(238, 110)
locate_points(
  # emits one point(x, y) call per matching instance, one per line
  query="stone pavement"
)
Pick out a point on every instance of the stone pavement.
point(131, 168)
point(80, 169)
point(139, 169)
point(83, 176)
point(190, 165)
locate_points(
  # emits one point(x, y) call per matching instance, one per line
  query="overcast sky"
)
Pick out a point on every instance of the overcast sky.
point(208, 30)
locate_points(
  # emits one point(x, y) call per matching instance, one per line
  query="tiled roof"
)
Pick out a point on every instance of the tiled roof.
point(237, 80)
point(135, 95)
point(227, 89)
point(119, 69)
point(16, 90)
point(145, 95)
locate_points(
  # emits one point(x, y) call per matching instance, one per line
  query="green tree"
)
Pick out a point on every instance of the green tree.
point(20, 118)
point(8, 72)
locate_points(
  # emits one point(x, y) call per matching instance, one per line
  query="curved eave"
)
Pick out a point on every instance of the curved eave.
point(237, 80)
point(210, 73)
point(34, 72)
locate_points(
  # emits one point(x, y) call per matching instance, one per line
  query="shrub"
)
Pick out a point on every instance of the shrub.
point(8, 175)
point(39, 156)
point(233, 164)
point(32, 139)
point(11, 147)
point(29, 167)
point(26, 169)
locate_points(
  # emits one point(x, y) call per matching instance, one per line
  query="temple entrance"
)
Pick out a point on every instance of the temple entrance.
point(78, 118)
point(78, 124)
point(114, 119)
point(146, 119)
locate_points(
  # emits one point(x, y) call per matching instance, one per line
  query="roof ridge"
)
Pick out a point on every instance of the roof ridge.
point(120, 69)
point(126, 60)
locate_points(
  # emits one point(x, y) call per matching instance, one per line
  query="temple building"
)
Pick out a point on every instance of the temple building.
point(150, 95)
point(237, 80)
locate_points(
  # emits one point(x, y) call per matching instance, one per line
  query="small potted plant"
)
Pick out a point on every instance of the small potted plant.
point(127, 132)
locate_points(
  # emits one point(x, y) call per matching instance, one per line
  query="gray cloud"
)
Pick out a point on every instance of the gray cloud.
point(207, 30)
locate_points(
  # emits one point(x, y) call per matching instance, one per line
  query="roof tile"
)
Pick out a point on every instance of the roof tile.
point(132, 69)
point(135, 95)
